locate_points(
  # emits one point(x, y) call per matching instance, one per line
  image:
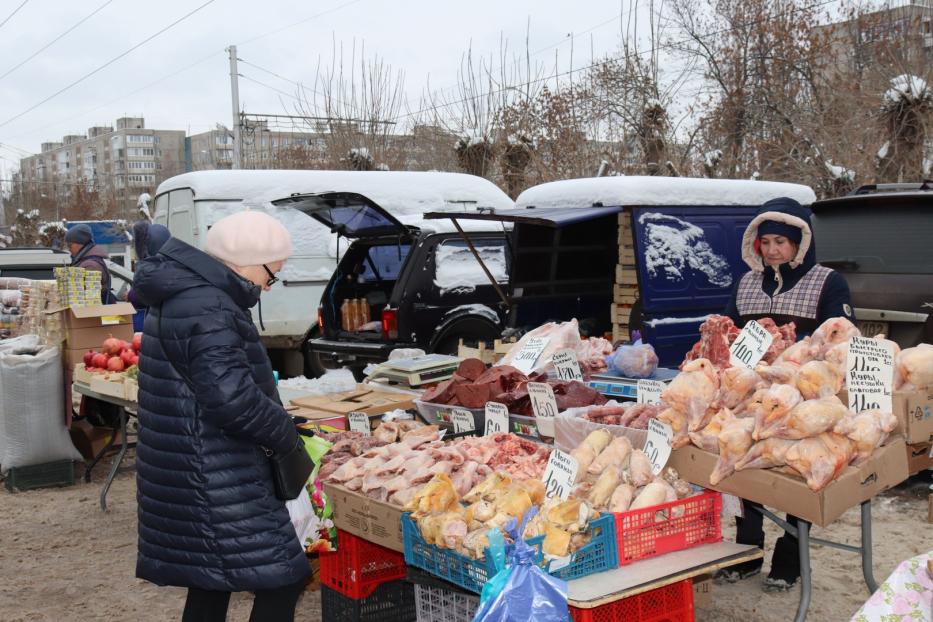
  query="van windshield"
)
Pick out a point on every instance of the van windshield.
point(875, 239)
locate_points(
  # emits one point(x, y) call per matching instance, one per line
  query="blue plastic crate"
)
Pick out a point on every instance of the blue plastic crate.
point(598, 555)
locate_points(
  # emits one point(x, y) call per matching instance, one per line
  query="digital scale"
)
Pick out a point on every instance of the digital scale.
point(627, 388)
point(419, 370)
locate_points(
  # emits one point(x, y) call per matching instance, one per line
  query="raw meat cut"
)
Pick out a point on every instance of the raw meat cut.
point(615, 456)
point(821, 458)
point(716, 335)
point(784, 336)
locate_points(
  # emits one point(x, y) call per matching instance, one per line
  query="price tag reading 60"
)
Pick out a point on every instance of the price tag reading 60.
point(658, 445)
point(497, 418)
point(560, 474)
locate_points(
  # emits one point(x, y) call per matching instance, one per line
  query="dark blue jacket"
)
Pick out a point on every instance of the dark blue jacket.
point(208, 514)
point(834, 300)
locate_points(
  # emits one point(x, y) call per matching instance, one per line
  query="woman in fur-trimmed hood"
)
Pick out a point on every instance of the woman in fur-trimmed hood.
point(785, 283)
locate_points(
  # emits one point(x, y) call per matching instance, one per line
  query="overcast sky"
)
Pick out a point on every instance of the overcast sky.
point(420, 37)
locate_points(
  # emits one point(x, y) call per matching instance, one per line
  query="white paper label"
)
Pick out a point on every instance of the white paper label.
point(463, 420)
point(497, 418)
point(658, 445)
point(359, 422)
point(649, 391)
point(544, 407)
point(870, 374)
point(732, 506)
point(526, 358)
point(750, 346)
point(566, 365)
point(559, 475)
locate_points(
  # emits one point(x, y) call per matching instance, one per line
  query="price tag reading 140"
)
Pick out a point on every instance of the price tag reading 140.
point(497, 418)
point(359, 422)
point(750, 346)
point(658, 445)
point(560, 474)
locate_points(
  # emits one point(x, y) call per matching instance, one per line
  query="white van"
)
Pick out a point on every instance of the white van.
point(191, 203)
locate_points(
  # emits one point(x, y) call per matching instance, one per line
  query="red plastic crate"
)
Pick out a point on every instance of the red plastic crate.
point(358, 566)
point(672, 603)
point(669, 527)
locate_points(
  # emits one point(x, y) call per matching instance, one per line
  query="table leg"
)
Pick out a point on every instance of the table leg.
point(88, 468)
point(116, 461)
point(803, 546)
point(867, 570)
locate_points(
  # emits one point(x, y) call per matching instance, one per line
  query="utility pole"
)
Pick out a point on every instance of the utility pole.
point(235, 94)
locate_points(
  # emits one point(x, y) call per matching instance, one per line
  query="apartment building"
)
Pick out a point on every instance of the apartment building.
point(260, 149)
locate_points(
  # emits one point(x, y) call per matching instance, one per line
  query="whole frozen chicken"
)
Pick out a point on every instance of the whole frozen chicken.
point(693, 391)
point(821, 458)
point(836, 356)
point(798, 354)
point(678, 422)
point(765, 454)
point(818, 379)
point(914, 367)
point(868, 429)
point(831, 332)
point(734, 442)
point(615, 455)
point(778, 373)
point(775, 403)
point(737, 385)
point(708, 438)
point(807, 419)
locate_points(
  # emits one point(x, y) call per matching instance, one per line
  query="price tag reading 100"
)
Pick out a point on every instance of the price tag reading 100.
point(560, 474)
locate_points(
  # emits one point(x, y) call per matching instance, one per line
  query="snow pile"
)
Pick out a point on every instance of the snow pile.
point(675, 248)
point(333, 381)
point(906, 89)
point(471, 139)
point(713, 158)
point(839, 173)
point(665, 321)
point(457, 270)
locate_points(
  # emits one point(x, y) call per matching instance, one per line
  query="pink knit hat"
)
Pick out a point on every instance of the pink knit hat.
point(249, 238)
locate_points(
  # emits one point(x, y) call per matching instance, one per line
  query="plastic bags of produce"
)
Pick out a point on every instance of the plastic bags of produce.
point(638, 360)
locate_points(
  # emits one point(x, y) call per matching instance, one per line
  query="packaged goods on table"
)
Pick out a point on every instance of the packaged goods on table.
point(591, 352)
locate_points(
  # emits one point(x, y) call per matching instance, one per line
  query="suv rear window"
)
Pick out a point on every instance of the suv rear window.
point(384, 263)
point(456, 268)
point(877, 239)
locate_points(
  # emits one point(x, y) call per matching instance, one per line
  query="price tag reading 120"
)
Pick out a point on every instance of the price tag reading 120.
point(497, 418)
point(559, 475)
point(544, 407)
point(359, 422)
point(750, 346)
point(658, 445)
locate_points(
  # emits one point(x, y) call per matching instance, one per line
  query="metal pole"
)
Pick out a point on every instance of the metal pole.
point(867, 571)
point(235, 95)
point(806, 580)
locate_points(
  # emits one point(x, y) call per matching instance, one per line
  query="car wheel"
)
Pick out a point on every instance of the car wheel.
point(471, 331)
point(315, 364)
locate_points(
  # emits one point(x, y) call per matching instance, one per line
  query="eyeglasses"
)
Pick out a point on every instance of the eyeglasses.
point(272, 278)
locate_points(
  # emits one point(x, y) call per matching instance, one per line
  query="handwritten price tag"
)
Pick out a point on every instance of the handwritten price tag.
point(497, 418)
point(359, 422)
point(544, 407)
point(658, 445)
point(649, 391)
point(526, 358)
point(566, 365)
point(870, 374)
point(559, 475)
point(750, 346)
point(463, 421)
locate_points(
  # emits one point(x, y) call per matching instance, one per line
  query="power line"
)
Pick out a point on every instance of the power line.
point(58, 38)
point(15, 11)
point(298, 23)
point(108, 63)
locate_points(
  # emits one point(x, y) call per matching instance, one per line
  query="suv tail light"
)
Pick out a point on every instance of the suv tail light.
point(320, 319)
point(389, 324)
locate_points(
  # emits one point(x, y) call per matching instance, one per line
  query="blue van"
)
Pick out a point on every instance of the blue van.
point(569, 241)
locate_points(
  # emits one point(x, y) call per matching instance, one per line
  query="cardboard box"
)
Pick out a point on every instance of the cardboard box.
point(87, 327)
point(914, 412)
point(790, 493)
point(363, 399)
point(919, 458)
point(89, 441)
point(110, 383)
point(376, 521)
point(73, 356)
point(703, 591)
point(317, 420)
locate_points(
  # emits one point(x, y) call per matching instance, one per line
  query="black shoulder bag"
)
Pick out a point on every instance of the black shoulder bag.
point(290, 469)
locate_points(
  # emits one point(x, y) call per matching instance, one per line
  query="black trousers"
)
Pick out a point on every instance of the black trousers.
point(276, 605)
point(785, 561)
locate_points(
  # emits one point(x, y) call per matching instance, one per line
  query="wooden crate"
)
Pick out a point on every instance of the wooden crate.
point(626, 276)
point(627, 256)
point(620, 314)
point(620, 333)
point(485, 352)
point(624, 294)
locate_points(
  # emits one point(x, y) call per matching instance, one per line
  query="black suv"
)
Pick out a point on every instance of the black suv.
point(880, 237)
point(422, 284)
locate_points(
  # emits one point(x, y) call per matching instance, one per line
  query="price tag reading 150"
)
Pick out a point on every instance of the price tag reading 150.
point(497, 418)
point(560, 474)
point(544, 406)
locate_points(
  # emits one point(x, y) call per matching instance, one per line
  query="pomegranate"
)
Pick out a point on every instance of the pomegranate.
point(112, 345)
point(89, 358)
point(135, 360)
point(137, 341)
point(115, 364)
point(99, 361)
point(127, 357)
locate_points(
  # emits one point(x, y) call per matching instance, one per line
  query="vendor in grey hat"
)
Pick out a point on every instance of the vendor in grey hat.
point(90, 256)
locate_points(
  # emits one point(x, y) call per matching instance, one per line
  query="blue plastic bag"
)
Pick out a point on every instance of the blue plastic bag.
point(638, 360)
point(522, 591)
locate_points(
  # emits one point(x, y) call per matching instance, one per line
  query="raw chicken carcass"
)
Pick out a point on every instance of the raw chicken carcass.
point(868, 429)
point(818, 379)
point(708, 438)
point(778, 373)
point(820, 459)
point(833, 331)
point(692, 392)
point(615, 455)
point(776, 402)
point(914, 367)
point(678, 422)
point(438, 495)
point(807, 419)
point(735, 440)
point(737, 384)
point(798, 354)
point(765, 454)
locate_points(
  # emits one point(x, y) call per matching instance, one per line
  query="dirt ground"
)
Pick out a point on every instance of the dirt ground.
point(62, 559)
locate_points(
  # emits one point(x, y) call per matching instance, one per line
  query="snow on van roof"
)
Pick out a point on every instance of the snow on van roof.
point(633, 191)
point(399, 192)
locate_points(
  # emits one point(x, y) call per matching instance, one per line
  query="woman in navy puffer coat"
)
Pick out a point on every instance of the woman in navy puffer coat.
point(209, 519)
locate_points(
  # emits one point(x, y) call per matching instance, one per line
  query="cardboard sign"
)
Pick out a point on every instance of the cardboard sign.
point(544, 406)
point(566, 365)
point(649, 391)
point(526, 358)
point(560, 474)
point(658, 445)
point(463, 421)
point(750, 346)
point(497, 418)
point(359, 422)
point(870, 374)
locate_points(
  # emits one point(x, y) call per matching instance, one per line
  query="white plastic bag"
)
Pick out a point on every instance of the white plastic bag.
point(570, 428)
point(32, 407)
